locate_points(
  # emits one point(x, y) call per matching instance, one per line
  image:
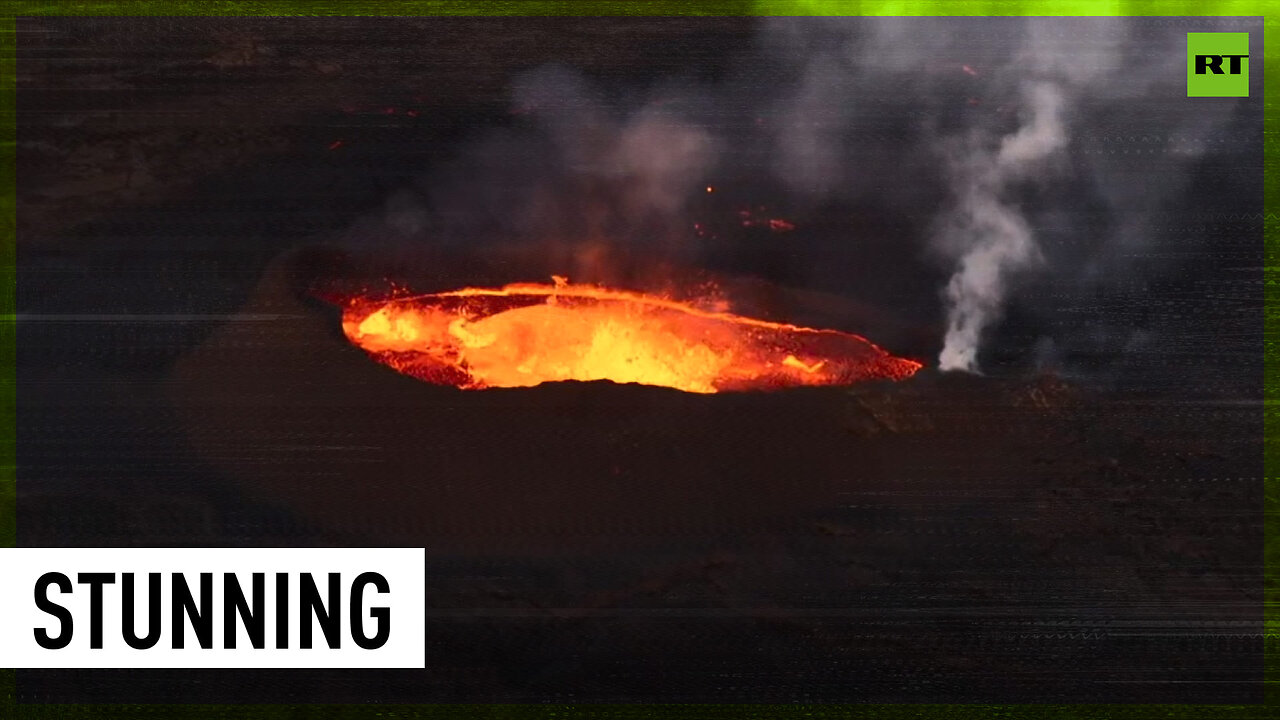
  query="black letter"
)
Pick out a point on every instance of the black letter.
point(64, 615)
point(153, 612)
point(1209, 62)
point(381, 614)
point(310, 603)
point(255, 621)
point(282, 611)
point(1235, 63)
point(95, 581)
point(201, 617)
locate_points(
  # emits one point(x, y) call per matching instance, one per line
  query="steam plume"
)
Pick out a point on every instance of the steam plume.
point(988, 234)
point(1061, 150)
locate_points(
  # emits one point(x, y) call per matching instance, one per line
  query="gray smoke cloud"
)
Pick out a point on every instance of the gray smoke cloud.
point(1066, 92)
point(1003, 150)
point(652, 151)
point(986, 234)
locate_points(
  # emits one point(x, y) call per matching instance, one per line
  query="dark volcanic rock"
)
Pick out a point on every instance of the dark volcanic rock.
point(639, 542)
point(281, 402)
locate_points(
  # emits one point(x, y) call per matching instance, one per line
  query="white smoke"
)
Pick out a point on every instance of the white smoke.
point(999, 148)
point(1092, 95)
point(811, 128)
point(652, 153)
point(986, 233)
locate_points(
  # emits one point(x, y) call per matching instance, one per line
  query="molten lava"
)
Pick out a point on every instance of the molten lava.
point(526, 334)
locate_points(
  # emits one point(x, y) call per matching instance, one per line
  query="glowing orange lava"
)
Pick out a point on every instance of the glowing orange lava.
point(527, 334)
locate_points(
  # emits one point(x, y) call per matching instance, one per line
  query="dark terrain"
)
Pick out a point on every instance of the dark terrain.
point(1026, 536)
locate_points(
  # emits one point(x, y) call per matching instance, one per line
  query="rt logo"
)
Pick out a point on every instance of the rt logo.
point(1217, 64)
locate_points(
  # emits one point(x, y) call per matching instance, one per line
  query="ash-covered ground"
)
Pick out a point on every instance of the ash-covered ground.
point(1080, 523)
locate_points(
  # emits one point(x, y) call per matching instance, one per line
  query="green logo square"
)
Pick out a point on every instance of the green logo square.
point(1217, 64)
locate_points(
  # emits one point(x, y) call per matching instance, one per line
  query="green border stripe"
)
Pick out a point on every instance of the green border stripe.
point(1271, 330)
point(355, 8)
point(1271, 358)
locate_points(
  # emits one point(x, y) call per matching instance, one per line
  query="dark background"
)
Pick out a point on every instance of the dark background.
point(1081, 525)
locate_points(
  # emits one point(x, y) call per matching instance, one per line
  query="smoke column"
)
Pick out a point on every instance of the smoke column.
point(963, 157)
point(989, 236)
